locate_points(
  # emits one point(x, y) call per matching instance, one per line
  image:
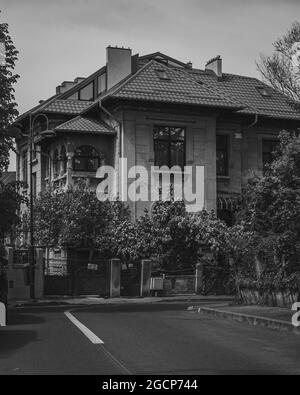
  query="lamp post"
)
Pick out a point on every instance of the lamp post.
point(45, 133)
point(16, 131)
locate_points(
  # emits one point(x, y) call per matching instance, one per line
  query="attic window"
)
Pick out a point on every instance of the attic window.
point(162, 75)
point(263, 91)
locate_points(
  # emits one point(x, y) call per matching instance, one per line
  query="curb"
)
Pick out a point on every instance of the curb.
point(58, 303)
point(278, 325)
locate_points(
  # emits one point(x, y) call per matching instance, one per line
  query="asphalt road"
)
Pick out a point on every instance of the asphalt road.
point(162, 338)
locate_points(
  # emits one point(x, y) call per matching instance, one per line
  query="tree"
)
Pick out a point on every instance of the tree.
point(282, 68)
point(9, 198)
point(171, 234)
point(75, 218)
point(8, 110)
point(270, 215)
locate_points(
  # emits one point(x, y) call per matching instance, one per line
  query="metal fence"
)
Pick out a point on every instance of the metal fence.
point(76, 277)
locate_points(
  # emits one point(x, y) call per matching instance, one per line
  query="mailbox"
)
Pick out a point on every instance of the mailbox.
point(156, 284)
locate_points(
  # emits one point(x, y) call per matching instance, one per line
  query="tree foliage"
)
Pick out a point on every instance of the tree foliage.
point(8, 110)
point(282, 68)
point(269, 221)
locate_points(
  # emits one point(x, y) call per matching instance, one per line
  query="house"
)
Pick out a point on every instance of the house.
point(156, 110)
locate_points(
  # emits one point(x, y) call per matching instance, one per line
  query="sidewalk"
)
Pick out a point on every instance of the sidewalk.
point(92, 300)
point(277, 318)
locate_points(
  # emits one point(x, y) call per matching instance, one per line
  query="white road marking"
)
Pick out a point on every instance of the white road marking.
point(86, 331)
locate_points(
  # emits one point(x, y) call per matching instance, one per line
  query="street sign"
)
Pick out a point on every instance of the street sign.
point(92, 266)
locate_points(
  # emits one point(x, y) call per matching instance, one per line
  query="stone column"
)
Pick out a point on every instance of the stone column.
point(70, 156)
point(145, 277)
point(199, 278)
point(114, 278)
point(39, 274)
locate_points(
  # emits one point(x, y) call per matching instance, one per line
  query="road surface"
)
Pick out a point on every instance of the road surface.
point(161, 338)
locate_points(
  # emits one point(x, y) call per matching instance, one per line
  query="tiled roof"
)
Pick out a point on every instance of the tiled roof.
point(174, 87)
point(244, 89)
point(80, 124)
point(8, 177)
point(66, 106)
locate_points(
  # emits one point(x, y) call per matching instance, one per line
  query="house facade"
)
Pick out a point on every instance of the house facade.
point(154, 110)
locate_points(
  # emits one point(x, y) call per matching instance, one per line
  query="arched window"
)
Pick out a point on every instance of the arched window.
point(63, 158)
point(86, 158)
point(56, 168)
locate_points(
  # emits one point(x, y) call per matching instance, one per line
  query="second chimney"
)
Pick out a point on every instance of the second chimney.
point(118, 62)
point(215, 65)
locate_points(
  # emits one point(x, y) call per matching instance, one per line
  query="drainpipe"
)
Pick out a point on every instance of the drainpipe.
point(119, 132)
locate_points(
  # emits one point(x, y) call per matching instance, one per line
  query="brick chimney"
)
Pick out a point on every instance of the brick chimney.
point(66, 85)
point(118, 62)
point(215, 65)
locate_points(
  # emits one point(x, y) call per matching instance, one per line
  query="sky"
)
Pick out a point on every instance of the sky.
point(60, 40)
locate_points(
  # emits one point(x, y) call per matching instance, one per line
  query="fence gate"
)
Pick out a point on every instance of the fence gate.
point(131, 280)
point(75, 278)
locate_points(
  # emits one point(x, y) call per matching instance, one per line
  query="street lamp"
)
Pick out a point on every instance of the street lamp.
point(45, 133)
point(15, 131)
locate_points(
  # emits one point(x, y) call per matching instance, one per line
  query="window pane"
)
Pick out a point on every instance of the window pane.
point(74, 96)
point(79, 163)
point(161, 133)
point(177, 154)
point(169, 148)
point(177, 134)
point(161, 153)
point(87, 93)
point(222, 155)
point(268, 149)
point(24, 166)
point(101, 83)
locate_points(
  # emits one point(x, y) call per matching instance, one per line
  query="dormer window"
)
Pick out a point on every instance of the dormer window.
point(263, 91)
point(162, 75)
point(87, 93)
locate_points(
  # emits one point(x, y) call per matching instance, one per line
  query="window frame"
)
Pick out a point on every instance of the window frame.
point(226, 166)
point(263, 153)
point(93, 92)
point(86, 168)
point(170, 140)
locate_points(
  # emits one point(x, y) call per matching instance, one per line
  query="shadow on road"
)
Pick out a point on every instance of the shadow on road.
point(17, 318)
point(11, 340)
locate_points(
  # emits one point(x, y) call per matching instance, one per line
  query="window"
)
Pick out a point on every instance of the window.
point(56, 163)
point(263, 91)
point(222, 155)
point(87, 93)
point(63, 157)
point(268, 149)
point(74, 96)
point(162, 75)
point(169, 146)
point(34, 152)
point(101, 83)
point(86, 158)
point(46, 161)
point(25, 166)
